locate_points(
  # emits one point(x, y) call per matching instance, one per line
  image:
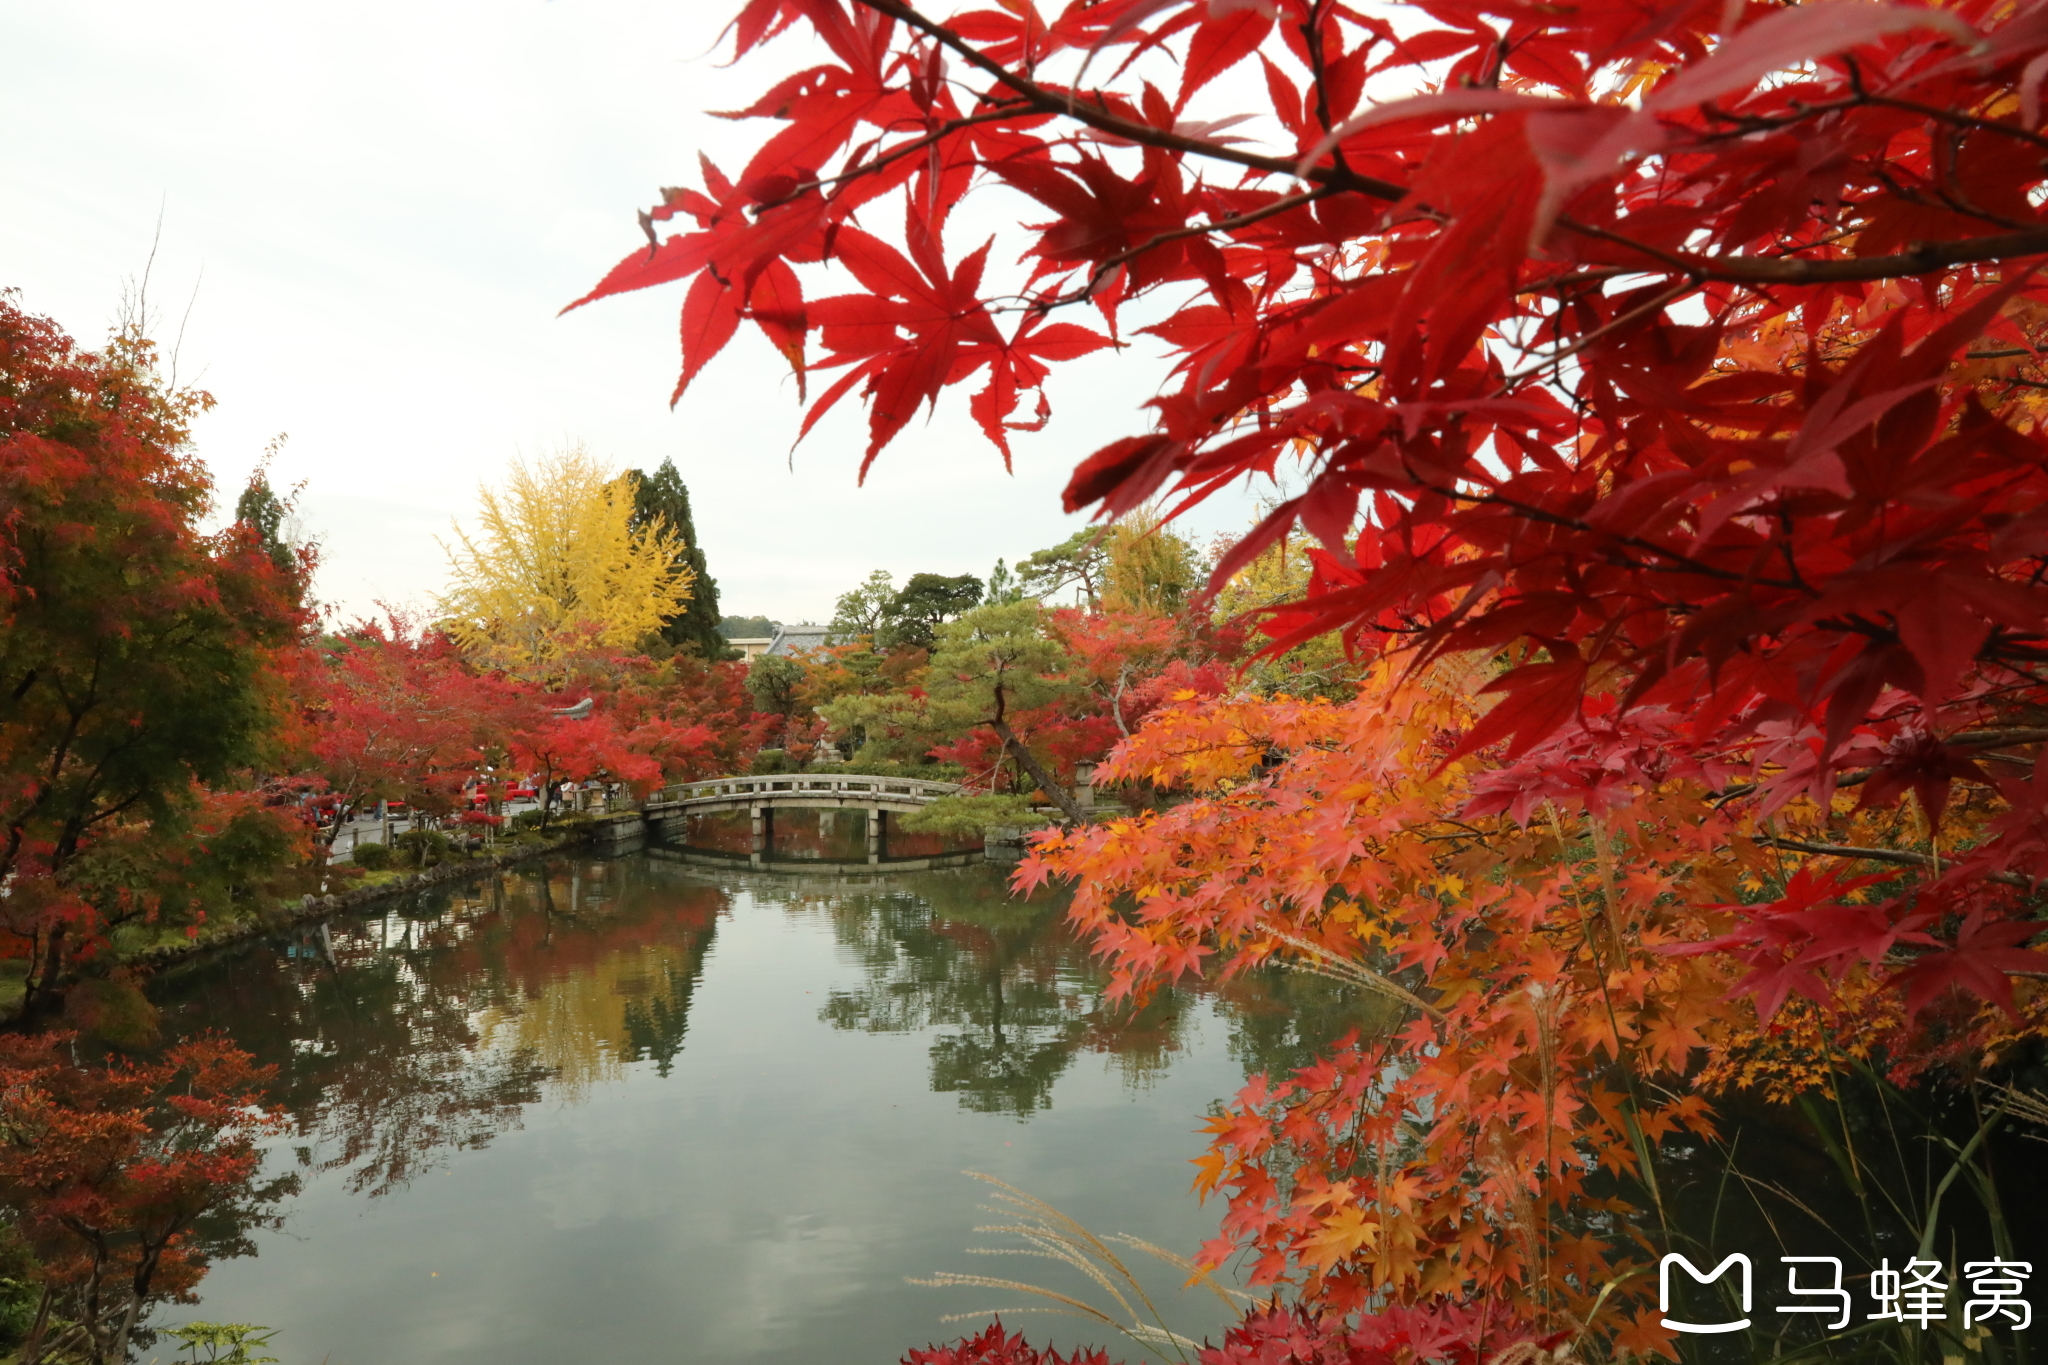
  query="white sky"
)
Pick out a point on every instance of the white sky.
point(389, 203)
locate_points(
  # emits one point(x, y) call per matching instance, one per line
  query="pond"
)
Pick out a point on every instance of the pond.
point(635, 1111)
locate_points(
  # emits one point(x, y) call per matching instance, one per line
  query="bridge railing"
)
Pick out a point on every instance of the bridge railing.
point(784, 784)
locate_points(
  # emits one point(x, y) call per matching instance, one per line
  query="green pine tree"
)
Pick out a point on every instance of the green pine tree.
point(260, 509)
point(695, 628)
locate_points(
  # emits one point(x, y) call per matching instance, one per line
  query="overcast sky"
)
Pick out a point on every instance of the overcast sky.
point(383, 206)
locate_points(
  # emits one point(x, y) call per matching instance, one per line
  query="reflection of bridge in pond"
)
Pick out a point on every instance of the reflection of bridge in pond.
point(682, 819)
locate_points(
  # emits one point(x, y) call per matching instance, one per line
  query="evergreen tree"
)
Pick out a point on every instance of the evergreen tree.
point(695, 627)
point(1079, 561)
point(746, 628)
point(261, 510)
point(1003, 586)
point(926, 602)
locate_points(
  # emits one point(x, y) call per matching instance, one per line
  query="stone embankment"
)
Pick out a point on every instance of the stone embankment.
point(312, 908)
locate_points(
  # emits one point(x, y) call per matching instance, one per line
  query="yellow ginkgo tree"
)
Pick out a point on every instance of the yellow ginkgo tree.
point(555, 567)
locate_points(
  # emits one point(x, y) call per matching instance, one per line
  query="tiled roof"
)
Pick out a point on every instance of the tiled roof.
point(797, 639)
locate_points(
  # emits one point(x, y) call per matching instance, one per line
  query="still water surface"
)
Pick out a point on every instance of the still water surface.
point(631, 1111)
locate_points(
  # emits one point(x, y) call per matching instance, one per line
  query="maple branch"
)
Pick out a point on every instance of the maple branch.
point(1069, 106)
point(1801, 112)
point(1653, 306)
point(1948, 116)
point(1987, 739)
point(1900, 856)
point(898, 152)
point(1312, 39)
point(1109, 264)
point(1685, 563)
point(1921, 258)
point(1903, 857)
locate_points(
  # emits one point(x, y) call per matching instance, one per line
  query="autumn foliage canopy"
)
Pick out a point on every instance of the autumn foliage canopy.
point(1661, 382)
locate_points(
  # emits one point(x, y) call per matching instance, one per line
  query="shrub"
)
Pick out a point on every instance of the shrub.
point(421, 847)
point(772, 761)
point(226, 1343)
point(372, 857)
point(889, 767)
point(970, 816)
point(18, 1288)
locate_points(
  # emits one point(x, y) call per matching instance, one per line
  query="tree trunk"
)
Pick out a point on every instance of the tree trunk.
point(1061, 797)
point(91, 1324)
point(39, 986)
point(138, 1290)
point(119, 1355)
point(341, 810)
point(32, 1345)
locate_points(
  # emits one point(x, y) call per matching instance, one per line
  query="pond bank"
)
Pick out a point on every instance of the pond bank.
point(606, 835)
point(311, 907)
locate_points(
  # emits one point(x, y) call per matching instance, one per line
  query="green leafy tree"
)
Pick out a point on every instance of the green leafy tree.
point(993, 662)
point(1079, 561)
point(927, 602)
point(745, 627)
point(660, 498)
point(865, 610)
point(777, 686)
point(262, 511)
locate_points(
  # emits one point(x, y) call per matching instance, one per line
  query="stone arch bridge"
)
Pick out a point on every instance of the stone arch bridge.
point(667, 812)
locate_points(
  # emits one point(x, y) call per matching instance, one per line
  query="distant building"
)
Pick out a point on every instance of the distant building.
point(752, 649)
point(792, 640)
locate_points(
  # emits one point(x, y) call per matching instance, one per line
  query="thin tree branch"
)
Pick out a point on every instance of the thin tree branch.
point(1651, 307)
point(951, 126)
point(1053, 102)
point(1920, 258)
point(1900, 856)
point(1110, 264)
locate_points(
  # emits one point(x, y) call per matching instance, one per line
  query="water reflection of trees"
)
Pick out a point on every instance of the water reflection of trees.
point(402, 1039)
point(1014, 997)
point(1282, 1021)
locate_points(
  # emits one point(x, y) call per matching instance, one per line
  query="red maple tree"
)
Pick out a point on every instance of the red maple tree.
point(107, 1169)
point(142, 661)
point(1683, 356)
point(1670, 373)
